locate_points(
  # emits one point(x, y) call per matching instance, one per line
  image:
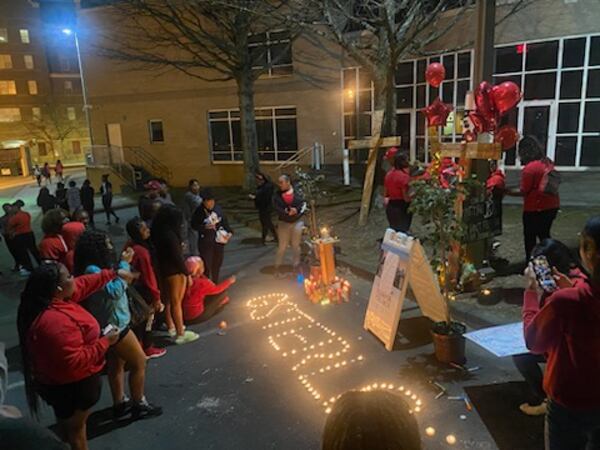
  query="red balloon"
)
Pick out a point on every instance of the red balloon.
point(484, 100)
point(481, 123)
point(437, 113)
point(507, 136)
point(505, 96)
point(435, 74)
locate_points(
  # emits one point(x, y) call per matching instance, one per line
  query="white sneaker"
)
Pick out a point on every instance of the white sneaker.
point(186, 338)
point(172, 332)
point(537, 410)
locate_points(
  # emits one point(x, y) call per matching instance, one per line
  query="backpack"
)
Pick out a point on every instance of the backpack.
point(550, 182)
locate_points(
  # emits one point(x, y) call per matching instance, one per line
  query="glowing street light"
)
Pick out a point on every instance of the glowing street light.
point(67, 31)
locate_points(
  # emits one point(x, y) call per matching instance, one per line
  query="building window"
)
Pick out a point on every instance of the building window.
point(28, 60)
point(10, 115)
point(8, 87)
point(33, 87)
point(36, 113)
point(42, 150)
point(3, 35)
point(76, 147)
point(24, 33)
point(68, 86)
point(155, 127)
point(276, 134)
point(272, 52)
point(5, 62)
point(71, 115)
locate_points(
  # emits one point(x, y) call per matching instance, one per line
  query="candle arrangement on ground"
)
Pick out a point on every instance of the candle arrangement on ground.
point(323, 285)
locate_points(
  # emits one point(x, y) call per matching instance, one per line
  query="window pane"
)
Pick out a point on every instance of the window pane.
point(257, 38)
point(420, 149)
point(266, 156)
point(217, 115)
point(566, 151)
point(236, 132)
point(349, 79)
point(573, 52)
point(263, 112)
point(285, 112)
point(570, 84)
point(279, 35)
point(364, 101)
point(156, 131)
point(221, 156)
point(28, 60)
point(461, 91)
point(433, 93)
point(24, 33)
point(364, 79)
point(364, 125)
point(10, 115)
point(464, 65)
point(5, 62)
point(287, 139)
point(542, 55)
point(259, 56)
point(350, 125)
point(448, 62)
point(404, 73)
point(421, 67)
point(568, 117)
point(403, 130)
point(219, 134)
point(264, 130)
point(539, 85)
point(420, 124)
point(510, 118)
point(448, 92)
point(8, 87)
point(404, 97)
point(421, 96)
point(508, 59)
point(592, 113)
point(593, 84)
point(281, 54)
point(595, 51)
point(590, 151)
point(3, 35)
point(349, 101)
point(514, 78)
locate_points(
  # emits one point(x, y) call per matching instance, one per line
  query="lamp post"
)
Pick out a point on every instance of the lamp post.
point(86, 106)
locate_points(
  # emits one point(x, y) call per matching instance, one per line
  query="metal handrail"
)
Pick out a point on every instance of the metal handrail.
point(295, 158)
point(139, 156)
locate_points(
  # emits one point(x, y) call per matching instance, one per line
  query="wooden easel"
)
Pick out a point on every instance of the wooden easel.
point(373, 144)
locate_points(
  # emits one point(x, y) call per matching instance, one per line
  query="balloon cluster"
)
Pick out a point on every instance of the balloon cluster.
point(436, 113)
point(493, 102)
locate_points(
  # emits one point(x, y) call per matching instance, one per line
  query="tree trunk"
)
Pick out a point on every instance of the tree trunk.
point(245, 84)
point(385, 99)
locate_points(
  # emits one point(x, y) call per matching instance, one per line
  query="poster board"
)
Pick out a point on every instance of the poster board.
point(402, 262)
point(502, 340)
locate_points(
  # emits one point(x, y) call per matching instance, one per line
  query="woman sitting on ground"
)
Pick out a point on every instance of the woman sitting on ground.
point(53, 247)
point(146, 284)
point(374, 420)
point(93, 253)
point(62, 349)
point(203, 298)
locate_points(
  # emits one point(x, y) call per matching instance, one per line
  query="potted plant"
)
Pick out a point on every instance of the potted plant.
point(435, 201)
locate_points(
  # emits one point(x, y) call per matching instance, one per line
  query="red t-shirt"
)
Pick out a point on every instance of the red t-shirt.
point(71, 232)
point(142, 263)
point(20, 223)
point(193, 302)
point(288, 196)
point(53, 248)
point(531, 178)
point(396, 184)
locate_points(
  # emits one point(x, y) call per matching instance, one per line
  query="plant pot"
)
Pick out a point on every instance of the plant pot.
point(449, 342)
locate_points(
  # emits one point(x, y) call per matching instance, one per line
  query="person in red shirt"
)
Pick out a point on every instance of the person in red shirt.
point(203, 298)
point(53, 246)
point(539, 208)
point(19, 229)
point(146, 284)
point(397, 199)
point(71, 231)
point(566, 329)
point(62, 348)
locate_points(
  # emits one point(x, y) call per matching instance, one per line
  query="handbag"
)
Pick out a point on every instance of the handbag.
point(140, 310)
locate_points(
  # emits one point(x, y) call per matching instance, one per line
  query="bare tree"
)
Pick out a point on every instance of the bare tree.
point(53, 125)
point(211, 40)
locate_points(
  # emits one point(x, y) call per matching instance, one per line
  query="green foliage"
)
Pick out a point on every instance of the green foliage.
point(310, 185)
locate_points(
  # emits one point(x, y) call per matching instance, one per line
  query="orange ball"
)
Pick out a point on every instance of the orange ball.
point(222, 324)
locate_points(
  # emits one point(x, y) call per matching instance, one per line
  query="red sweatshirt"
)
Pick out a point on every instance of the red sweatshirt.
point(193, 302)
point(64, 341)
point(19, 223)
point(396, 184)
point(71, 232)
point(534, 200)
point(142, 263)
point(53, 248)
point(567, 330)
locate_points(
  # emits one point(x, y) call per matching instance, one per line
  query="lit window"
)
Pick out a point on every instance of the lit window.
point(33, 87)
point(68, 87)
point(272, 52)
point(8, 87)
point(24, 33)
point(3, 35)
point(5, 62)
point(156, 131)
point(10, 114)
point(28, 59)
point(36, 113)
point(71, 113)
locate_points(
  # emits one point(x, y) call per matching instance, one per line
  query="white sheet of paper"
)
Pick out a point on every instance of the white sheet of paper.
point(388, 273)
point(502, 340)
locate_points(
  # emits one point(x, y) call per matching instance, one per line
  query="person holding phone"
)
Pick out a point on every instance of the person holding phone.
point(565, 328)
point(62, 348)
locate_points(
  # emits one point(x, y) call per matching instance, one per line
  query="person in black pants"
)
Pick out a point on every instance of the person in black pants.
point(213, 233)
point(263, 201)
point(107, 198)
point(87, 200)
point(397, 198)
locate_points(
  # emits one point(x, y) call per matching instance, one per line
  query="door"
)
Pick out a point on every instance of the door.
point(115, 142)
point(539, 119)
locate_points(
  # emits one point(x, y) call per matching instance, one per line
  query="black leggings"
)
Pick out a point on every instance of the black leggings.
point(212, 254)
point(528, 366)
point(212, 306)
point(266, 223)
point(24, 244)
point(108, 209)
point(398, 215)
point(536, 227)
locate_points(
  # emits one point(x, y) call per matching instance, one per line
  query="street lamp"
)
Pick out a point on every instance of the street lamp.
point(86, 106)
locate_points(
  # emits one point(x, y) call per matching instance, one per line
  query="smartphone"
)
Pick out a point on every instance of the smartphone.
point(543, 273)
point(108, 329)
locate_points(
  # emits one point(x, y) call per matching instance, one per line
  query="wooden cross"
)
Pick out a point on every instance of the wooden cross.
point(373, 144)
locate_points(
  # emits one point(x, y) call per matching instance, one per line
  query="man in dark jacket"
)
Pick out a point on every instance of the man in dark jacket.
point(263, 201)
point(290, 207)
point(87, 200)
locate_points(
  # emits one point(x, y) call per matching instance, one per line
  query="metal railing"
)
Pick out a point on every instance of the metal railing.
point(138, 156)
point(111, 156)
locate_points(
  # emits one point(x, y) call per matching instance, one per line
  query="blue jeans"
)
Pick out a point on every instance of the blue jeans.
point(571, 430)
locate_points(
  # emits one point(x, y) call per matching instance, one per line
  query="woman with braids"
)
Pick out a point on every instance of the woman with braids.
point(167, 240)
point(146, 284)
point(53, 247)
point(62, 348)
point(95, 252)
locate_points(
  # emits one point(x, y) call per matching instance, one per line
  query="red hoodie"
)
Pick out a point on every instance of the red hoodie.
point(142, 263)
point(193, 302)
point(531, 178)
point(53, 248)
point(567, 330)
point(64, 341)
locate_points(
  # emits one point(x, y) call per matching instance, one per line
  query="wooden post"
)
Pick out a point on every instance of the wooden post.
point(365, 203)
